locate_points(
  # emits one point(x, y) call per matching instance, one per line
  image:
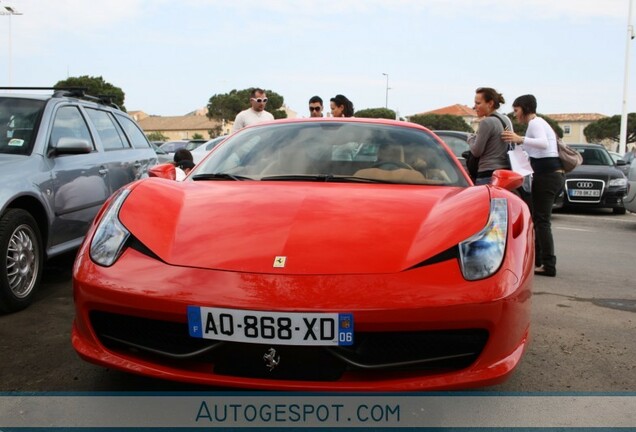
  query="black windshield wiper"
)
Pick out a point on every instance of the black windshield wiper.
point(294, 177)
point(220, 176)
point(322, 178)
point(354, 179)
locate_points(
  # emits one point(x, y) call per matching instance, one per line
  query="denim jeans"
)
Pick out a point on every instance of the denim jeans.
point(545, 188)
point(482, 181)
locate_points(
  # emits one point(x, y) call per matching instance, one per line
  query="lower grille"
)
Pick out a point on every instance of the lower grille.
point(584, 190)
point(390, 352)
point(294, 363)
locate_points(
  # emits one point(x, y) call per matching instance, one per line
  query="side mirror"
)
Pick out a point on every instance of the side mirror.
point(71, 145)
point(621, 162)
point(507, 179)
point(164, 171)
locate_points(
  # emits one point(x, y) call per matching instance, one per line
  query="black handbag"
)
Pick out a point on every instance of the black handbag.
point(472, 164)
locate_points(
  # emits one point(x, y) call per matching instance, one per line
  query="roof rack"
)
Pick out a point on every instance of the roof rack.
point(76, 92)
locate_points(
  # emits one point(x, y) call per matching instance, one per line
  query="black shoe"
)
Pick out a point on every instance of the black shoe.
point(544, 271)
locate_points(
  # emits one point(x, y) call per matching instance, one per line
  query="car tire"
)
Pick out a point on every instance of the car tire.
point(22, 260)
point(619, 210)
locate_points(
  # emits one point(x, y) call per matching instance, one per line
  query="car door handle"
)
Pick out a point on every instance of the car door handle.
point(103, 171)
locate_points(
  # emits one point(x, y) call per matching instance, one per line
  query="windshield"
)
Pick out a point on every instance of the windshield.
point(595, 156)
point(18, 121)
point(172, 146)
point(333, 151)
point(194, 144)
point(456, 144)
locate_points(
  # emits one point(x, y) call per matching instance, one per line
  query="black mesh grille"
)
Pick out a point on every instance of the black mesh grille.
point(158, 335)
point(390, 352)
point(454, 348)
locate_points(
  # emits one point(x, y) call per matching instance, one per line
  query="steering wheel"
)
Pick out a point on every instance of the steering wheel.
point(392, 165)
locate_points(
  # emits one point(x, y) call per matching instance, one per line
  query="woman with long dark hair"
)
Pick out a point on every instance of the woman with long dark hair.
point(341, 106)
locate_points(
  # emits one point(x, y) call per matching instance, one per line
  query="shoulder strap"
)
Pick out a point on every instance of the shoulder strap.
point(498, 116)
point(511, 146)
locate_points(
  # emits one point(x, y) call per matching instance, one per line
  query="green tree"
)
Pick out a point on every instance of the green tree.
point(216, 131)
point(95, 86)
point(441, 122)
point(156, 136)
point(376, 113)
point(610, 128)
point(197, 136)
point(520, 128)
point(228, 105)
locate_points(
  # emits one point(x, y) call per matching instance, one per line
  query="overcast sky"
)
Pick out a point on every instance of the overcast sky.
point(170, 57)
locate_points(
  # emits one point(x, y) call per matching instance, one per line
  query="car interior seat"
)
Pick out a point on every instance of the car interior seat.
point(390, 166)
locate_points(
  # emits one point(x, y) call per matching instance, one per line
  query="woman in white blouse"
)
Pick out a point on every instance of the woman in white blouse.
point(540, 142)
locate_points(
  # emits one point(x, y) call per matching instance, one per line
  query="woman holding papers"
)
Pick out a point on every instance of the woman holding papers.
point(540, 142)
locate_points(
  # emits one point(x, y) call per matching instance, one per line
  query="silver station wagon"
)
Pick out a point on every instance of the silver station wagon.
point(61, 156)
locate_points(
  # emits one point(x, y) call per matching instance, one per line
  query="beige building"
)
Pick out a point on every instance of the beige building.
point(184, 127)
point(573, 125)
point(464, 111)
point(181, 127)
point(290, 112)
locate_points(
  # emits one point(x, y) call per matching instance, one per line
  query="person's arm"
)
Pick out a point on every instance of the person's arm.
point(536, 136)
point(478, 145)
point(471, 138)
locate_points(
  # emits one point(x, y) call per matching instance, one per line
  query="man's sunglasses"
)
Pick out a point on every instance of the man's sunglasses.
point(259, 100)
point(315, 109)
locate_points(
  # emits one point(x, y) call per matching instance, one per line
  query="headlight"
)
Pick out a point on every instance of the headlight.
point(110, 235)
point(618, 182)
point(481, 255)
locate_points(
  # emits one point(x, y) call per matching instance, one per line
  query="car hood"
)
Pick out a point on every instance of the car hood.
point(318, 228)
point(18, 168)
point(603, 172)
point(8, 160)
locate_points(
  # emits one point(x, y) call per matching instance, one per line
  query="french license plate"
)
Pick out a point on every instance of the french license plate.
point(287, 328)
point(585, 193)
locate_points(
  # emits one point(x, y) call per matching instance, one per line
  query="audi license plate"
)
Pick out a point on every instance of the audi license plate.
point(286, 328)
point(585, 193)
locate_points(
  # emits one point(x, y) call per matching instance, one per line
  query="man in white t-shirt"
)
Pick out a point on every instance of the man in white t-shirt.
point(256, 113)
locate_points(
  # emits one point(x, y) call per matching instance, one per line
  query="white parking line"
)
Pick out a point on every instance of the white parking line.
point(623, 219)
point(573, 229)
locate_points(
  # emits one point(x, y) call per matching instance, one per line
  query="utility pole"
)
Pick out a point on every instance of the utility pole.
point(6, 9)
point(386, 100)
point(622, 146)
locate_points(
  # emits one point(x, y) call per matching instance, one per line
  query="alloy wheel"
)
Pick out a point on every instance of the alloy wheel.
point(22, 261)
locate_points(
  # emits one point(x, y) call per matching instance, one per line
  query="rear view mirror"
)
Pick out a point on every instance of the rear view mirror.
point(72, 145)
point(165, 171)
point(507, 179)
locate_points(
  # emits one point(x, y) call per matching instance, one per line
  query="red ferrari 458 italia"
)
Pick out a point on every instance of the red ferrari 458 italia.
point(317, 254)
